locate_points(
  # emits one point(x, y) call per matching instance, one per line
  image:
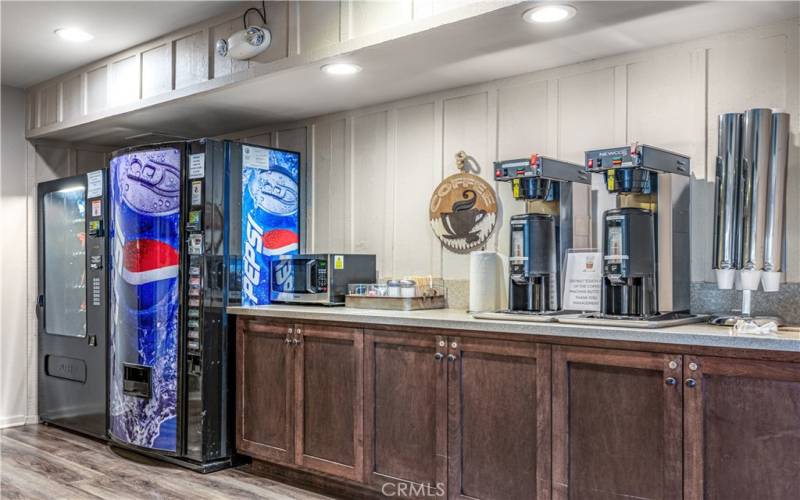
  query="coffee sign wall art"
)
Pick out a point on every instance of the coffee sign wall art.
point(463, 210)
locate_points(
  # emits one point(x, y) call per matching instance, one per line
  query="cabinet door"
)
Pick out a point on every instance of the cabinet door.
point(329, 367)
point(742, 428)
point(617, 419)
point(405, 408)
point(499, 419)
point(264, 390)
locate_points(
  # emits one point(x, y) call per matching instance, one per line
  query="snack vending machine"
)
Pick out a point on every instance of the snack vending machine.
point(71, 304)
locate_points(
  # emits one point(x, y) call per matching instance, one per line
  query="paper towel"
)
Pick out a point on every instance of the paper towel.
point(484, 271)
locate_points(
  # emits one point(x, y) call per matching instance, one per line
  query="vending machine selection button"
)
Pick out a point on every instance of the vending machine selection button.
point(194, 302)
point(193, 334)
point(194, 292)
point(194, 313)
point(194, 221)
point(194, 281)
point(194, 346)
point(197, 193)
point(96, 228)
point(195, 244)
point(194, 270)
point(193, 323)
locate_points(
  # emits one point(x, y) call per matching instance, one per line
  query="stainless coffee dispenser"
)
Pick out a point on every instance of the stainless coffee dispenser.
point(646, 238)
point(540, 237)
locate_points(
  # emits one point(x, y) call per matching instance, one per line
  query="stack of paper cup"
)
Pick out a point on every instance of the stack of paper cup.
point(484, 271)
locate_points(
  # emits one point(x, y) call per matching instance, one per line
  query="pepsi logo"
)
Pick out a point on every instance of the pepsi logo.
point(146, 260)
point(279, 242)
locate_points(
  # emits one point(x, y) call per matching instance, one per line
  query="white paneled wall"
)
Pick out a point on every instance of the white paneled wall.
point(13, 205)
point(373, 170)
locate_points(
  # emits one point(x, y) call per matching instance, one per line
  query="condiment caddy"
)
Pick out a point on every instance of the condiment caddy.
point(407, 294)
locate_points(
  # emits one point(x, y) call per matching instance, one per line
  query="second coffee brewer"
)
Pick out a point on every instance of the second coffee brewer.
point(646, 237)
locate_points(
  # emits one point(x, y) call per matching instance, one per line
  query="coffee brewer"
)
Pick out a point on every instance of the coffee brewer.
point(646, 263)
point(539, 236)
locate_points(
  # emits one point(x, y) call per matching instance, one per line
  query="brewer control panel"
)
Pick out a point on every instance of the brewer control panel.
point(637, 156)
point(542, 167)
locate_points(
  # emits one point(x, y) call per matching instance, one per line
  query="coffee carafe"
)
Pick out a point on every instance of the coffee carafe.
point(533, 264)
point(629, 264)
point(539, 237)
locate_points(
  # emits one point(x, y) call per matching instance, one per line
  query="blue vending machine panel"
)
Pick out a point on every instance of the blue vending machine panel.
point(270, 222)
point(144, 232)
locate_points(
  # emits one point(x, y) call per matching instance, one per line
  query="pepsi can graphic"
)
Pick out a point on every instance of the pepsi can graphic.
point(270, 216)
point(145, 242)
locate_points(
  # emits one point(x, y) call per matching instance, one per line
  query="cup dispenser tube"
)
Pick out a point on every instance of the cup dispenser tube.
point(726, 252)
point(750, 205)
point(757, 129)
point(776, 203)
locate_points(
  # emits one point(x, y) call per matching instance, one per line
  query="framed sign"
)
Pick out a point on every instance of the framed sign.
point(463, 210)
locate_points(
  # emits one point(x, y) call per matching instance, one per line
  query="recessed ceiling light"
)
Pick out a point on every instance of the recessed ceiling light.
point(549, 13)
point(74, 34)
point(341, 69)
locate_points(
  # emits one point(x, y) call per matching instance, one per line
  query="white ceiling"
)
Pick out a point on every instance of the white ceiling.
point(32, 53)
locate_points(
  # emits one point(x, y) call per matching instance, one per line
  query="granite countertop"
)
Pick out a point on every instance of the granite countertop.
point(699, 334)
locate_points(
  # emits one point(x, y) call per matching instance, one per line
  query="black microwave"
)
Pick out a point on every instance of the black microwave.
point(320, 279)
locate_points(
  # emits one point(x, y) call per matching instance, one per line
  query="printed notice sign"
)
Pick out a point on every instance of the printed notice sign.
point(583, 279)
point(197, 166)
point(94, 184)
point(254, 157)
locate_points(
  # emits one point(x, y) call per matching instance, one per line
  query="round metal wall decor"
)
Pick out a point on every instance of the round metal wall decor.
point(463, 210)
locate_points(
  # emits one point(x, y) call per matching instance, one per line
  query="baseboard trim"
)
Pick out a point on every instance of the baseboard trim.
point(316, 482)
point(13, 421)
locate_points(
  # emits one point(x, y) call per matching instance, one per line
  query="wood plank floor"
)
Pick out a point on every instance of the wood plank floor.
point(44, 462)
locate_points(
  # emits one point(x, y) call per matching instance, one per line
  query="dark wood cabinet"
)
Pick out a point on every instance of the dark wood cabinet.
point(499, 419)
point(265, 390)
point(405, 423)
point(617, 424)
point(741, 429)
point(479, 417)
point(300, 395)
point(329, 398)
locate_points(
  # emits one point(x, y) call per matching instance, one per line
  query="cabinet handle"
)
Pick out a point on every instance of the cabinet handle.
point(438, 356)
point(690, 382)
point(451, 357)
point(287, 340)
point(670, 381)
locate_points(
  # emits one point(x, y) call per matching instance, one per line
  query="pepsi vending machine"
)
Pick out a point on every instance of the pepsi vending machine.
point(174, 238)
point(266, 199)
point(170, 354)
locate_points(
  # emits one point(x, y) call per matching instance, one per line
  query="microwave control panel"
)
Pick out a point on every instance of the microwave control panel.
point(322, 276)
